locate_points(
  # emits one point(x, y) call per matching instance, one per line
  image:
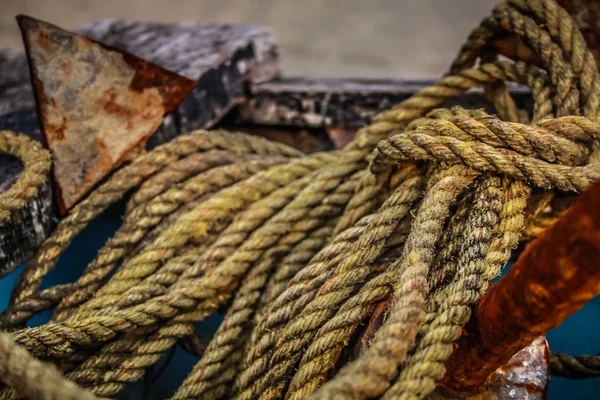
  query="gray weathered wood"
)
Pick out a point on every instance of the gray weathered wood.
point(222, 58)
point(342, 103)
point(27, 227)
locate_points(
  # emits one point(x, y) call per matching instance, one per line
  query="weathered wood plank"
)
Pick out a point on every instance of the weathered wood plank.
point(342, 103)
point(27, 227)
point(222, 58)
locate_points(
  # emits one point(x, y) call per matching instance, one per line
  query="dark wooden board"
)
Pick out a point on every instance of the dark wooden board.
point(222, 58)
point(342, 103)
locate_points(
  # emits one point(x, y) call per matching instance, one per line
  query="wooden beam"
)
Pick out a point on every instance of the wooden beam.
point(344, 103)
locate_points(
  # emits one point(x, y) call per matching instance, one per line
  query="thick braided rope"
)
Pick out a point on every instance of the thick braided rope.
point(478, 39)
point(579, 367)
point(508, 19)
point(240, 314)
point(325, 348)
point(421, 145)
point(550, 53)
point(229, 240)
point(333, 336)
point(370, 374)
point(114, 189)
point(297, 259)
point(296, 297)
point(370, 191)
point(584, 135)
point(531, 141)
point(178, 172)
point(231, 199)
point(36, 170)
point(224, 205)
point(140, 220)
point(299, 292)
point(238, 262)
point(232, 237)
point(564, 30)
point(116, 374)
point(34, 379)
point(137, 222)
point(455, 84)
point(493, 229)
point(32, 305)
point(244, 145)
point(58, 339)
point(351, 271)
point(305, 203)
point(253, 214)
point(446, 260)
point(330, 340)
point(380, 128)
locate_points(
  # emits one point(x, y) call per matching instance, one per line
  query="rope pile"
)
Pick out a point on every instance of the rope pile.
point(346, 274)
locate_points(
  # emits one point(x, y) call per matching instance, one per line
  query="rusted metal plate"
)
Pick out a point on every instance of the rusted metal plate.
point(524, 377)
point(95, 103)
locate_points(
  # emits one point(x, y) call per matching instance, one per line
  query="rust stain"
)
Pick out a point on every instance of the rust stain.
point(101, 144)
point(103, 162)
point(58, 132)
point(45, 42)
point(553, 278)
point(97, 105)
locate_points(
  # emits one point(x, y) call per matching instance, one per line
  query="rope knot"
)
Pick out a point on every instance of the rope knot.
point(551, 154)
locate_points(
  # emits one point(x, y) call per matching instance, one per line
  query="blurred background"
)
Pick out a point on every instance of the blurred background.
point(403, 39)
point(336, 38)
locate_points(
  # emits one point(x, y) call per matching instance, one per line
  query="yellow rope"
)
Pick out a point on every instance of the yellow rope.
point(414, 217)
point(36, 167)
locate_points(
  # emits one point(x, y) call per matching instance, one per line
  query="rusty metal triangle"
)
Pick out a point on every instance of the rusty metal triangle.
point(96, 105)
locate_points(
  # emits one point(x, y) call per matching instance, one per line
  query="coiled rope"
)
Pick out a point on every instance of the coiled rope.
point(410, 221)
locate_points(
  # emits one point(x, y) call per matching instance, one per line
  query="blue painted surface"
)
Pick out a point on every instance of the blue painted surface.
point(579, 334)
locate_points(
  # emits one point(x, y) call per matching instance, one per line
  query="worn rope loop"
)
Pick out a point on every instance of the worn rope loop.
point(341, 275)
point(36, 169)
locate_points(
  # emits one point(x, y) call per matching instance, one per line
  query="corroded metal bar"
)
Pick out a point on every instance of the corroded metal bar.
point(554, 277)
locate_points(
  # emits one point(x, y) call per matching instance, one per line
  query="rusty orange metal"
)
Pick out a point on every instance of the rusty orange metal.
point(97, 105)
point(525, 376)
point(553, 278)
